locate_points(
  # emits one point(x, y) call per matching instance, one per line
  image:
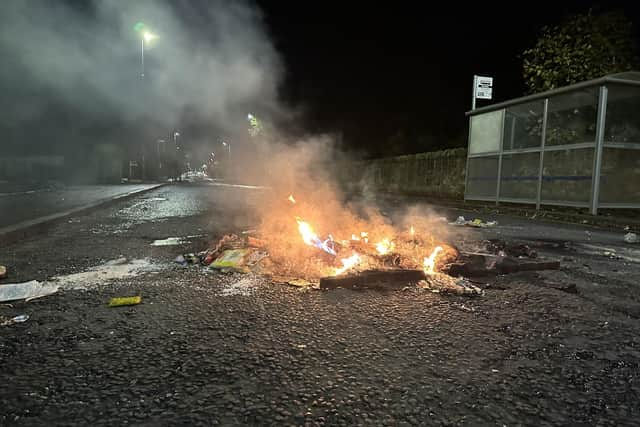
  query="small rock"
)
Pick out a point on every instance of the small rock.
point(3, 271)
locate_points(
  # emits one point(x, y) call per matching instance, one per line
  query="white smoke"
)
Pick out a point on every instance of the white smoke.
point(212, 59)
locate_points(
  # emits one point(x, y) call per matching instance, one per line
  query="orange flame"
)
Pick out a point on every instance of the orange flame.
point(430, 261)
point(347, 263)
point(291, 199)
point(306, 231)
point(384, 246)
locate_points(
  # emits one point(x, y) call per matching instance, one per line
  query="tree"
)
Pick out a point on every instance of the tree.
point(584, 47)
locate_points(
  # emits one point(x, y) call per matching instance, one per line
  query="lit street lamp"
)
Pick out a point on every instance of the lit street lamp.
point(146, 37)
point(228, 145)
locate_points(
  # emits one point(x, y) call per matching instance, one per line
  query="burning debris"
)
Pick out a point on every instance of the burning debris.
point(298, 245)
point(359, 253)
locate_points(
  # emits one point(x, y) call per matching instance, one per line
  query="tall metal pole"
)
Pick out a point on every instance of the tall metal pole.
point(473, 93)
point(543, 137)
point(142, 57)
point(597, 157)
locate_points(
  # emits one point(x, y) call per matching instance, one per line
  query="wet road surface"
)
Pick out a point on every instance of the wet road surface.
point(206, 349)
point(23, 206)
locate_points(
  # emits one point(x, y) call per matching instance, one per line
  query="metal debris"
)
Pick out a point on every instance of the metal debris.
point(631, 238)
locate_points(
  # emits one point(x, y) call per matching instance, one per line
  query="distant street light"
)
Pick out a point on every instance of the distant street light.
point(146, 37)
point(160, 152)
point(228, 145)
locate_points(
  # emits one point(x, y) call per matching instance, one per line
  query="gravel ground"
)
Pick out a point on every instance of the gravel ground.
point(206, 349)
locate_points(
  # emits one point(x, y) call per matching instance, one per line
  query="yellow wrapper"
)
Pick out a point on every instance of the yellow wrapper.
point(120, 301)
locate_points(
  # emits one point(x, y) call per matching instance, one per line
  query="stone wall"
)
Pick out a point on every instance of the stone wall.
point(438, 173)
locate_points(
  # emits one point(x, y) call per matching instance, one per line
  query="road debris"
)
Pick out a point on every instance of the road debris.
point(373, 279)
point(17, 319)
point(631, 238)
point(3, 272)
point(442, 283)
point(169, 241)
point(232, 259)
point(518, 250)
point(26, 290)
point(477, 223)
point(124, 301)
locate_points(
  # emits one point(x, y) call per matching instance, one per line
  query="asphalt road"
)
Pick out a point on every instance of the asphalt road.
point(206, 349)
point(27, 205)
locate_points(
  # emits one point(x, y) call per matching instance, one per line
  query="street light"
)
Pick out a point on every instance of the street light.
point(146, 36)
point(228, 145)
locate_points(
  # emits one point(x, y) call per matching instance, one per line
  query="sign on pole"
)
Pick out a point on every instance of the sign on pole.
point(482, 89)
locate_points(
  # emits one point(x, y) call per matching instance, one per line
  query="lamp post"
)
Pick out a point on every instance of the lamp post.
point(228, 145)
point(146, 37)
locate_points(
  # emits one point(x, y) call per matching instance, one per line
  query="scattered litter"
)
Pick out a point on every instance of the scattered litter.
point(169, 241)
point(464, 307)
point(17, 319)
point(3, 272)
point(172, 241)
point(231, 259)
point(255, 257)
point(189, 258)
point(26, 290)
point(502, 248)
point(631, 238)
point(478, 223)
point(229, 241)
point(122, 301)
point(442, 283)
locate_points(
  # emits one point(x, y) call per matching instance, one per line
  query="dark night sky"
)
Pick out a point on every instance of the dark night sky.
point(372, 69)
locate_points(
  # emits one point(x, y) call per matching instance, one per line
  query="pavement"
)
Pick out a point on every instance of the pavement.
point(207, 349)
